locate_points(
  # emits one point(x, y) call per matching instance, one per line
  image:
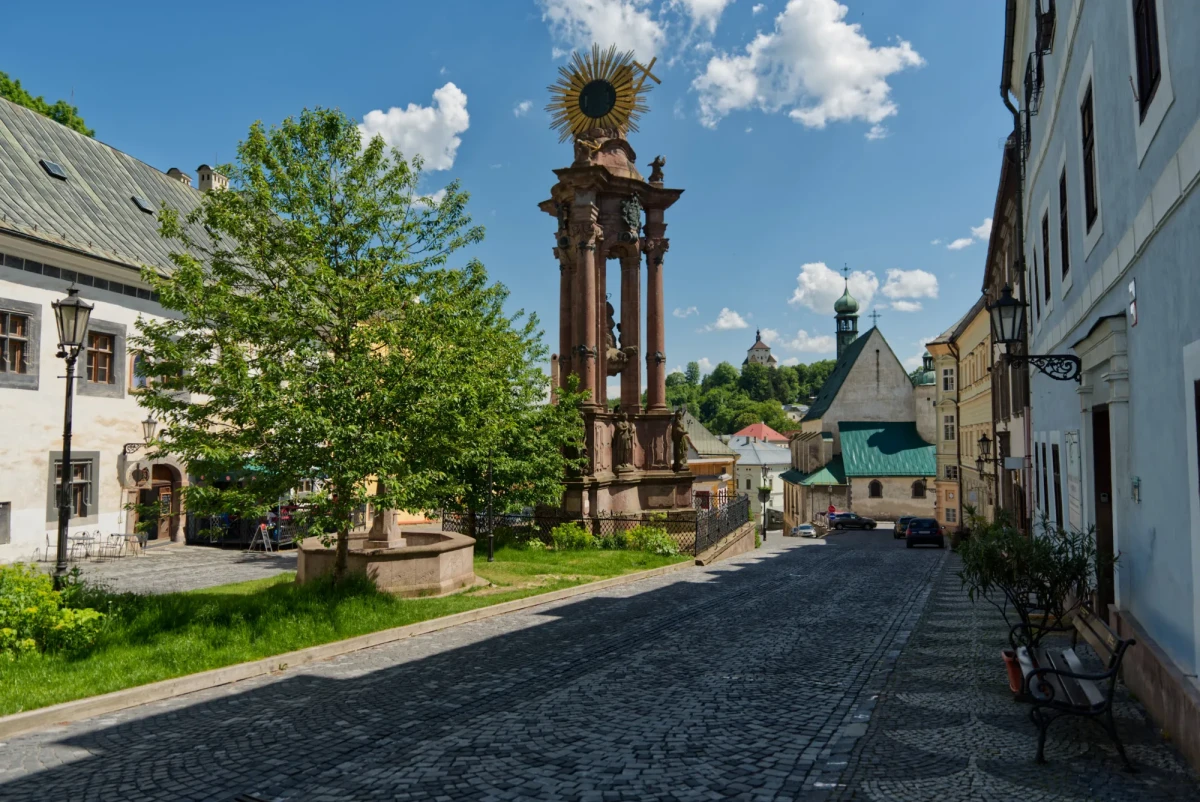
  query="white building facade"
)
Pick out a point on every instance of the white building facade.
point(76, 213)
point(1110, 105)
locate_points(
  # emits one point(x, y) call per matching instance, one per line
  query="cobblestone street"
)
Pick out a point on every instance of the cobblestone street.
point(768, 677)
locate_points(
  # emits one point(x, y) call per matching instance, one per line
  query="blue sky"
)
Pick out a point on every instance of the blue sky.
point(804, 132)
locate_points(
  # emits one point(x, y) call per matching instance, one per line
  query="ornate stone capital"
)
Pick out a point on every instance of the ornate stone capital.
point(586, 234)
point(655, 248)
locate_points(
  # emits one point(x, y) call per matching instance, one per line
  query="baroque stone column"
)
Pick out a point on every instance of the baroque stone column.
point(566, 270)
point(655, 245)
point(631, 330)
point(586, 236)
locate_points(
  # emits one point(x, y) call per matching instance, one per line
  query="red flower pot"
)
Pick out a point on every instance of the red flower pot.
point(1015, 678)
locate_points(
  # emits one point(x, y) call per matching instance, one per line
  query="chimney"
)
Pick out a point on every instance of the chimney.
point(211, 179)
point(180, 175)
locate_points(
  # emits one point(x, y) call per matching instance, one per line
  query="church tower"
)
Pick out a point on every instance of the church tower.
point(846, 309)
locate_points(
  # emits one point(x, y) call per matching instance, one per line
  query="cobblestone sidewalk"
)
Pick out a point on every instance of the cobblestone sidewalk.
point(946, 727)
point(169, 569)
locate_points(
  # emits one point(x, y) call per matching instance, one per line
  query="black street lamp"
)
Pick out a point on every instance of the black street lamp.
point(72, 314)
point(1008, 322)
point(985, 455)
point(148, 427)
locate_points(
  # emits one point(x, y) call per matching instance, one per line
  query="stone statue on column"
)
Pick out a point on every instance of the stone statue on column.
point(623, 443)
point(679, 441)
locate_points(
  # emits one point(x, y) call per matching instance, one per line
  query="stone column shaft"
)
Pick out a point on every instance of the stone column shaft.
point(631, 331)
point(655, 246)
point(586, 233)
point(565, 340)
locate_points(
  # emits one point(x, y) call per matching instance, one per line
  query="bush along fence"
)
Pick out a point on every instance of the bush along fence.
point(692, 531)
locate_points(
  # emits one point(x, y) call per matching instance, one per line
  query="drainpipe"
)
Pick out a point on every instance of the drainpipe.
point(1010, 26)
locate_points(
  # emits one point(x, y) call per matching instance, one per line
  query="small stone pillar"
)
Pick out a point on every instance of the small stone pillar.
point(655, 246)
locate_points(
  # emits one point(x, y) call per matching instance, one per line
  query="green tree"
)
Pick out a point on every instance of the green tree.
point(784, 385)
point(321, 334)
point(693, 374)
point(60, 111)
point(817, 372)
point(755, 381)
point(723, 375)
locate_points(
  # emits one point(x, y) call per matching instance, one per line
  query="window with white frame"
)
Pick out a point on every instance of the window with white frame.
point(947, 380)
point(948, 428)
point(952, 472)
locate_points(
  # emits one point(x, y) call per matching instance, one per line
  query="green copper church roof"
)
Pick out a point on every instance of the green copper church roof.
point(841, 370)
point(846, 305)
point(886, 449)
point(831, 474)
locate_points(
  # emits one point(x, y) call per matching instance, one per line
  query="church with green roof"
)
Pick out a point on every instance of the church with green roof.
point(866, 443)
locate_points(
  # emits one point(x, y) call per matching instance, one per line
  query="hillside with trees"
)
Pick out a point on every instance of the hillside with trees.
point(727, 400)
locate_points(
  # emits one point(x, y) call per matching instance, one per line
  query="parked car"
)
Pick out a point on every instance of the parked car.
point(901, 526)
point(852, 520)
point(804, 530)
point(924, 530)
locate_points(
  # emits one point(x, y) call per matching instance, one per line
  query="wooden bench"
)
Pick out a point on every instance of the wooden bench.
point(1057, 684)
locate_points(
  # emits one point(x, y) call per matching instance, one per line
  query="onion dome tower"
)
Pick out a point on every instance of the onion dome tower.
point(846, 309)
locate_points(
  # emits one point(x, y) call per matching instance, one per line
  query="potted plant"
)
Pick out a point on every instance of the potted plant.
point(1037, 583)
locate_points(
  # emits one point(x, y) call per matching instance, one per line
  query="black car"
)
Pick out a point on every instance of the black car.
point(852, 520)
point(901, 526)
point(924, 530)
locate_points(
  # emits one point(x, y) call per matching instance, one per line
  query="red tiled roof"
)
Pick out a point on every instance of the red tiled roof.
point(763, 432)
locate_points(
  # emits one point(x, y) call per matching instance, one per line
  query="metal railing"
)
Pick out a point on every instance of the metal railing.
point(714, 524)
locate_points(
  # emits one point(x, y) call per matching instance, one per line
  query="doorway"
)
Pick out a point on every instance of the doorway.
point(158, 504)
point(1102, 493)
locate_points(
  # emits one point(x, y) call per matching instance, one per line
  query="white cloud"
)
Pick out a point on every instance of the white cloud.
point(984, 230)
point(817, 287)
point(914, 361)
point(791, 360)
point(681, 312)
point(705, 364)
point(557, 52)
point(749, 129)
point(935, 242)
point(705, 12)
point(806, 343)
point(430, 200)
point(960, 243)
point(430, 132)
point(758, 9)
point(877, 132)
point(769, 336)
point(906, 306)
point(442, 71)
point(815, 64)
point(626, 23)
point(910, 284)
point(728, 320)
point(522, 108)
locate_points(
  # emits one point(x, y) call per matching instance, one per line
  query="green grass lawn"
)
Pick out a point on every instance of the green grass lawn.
point(151, 638)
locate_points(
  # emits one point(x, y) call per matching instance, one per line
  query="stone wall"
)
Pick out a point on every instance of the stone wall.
point(877, 389)
point(897, 498)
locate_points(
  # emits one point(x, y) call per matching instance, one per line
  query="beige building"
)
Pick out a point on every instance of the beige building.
point(865, 443)
point(713, 464)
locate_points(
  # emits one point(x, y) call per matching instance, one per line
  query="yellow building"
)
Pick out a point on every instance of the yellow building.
point(961, 358)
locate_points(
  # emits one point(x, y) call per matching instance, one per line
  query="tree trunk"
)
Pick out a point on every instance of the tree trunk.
point(339, 560)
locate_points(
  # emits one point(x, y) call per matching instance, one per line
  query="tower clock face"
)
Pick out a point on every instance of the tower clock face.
point(597, 98)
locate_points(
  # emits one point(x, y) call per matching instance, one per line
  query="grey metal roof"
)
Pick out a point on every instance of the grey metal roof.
point(92, 212)
point(759, 453)
point(703, 441)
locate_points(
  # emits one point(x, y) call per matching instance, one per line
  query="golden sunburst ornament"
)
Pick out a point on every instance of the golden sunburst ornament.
point(599, 90)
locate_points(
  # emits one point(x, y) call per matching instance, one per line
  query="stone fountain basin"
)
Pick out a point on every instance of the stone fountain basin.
point(423, 561)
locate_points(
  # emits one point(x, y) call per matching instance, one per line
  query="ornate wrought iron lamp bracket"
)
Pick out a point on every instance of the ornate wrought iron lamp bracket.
point(1062, 367)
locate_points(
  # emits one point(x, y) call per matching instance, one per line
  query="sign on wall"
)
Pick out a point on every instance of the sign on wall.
point(1074, 482)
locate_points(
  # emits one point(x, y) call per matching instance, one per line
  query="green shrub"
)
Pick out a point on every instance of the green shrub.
point(653, 539)
point(33, 615)
point(571, 536)
point(618, 541)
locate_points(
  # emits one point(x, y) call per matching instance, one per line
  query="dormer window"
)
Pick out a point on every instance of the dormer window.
point(142, 204)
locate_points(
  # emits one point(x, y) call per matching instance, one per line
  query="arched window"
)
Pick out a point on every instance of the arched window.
point(918, 488)
point(875, 489)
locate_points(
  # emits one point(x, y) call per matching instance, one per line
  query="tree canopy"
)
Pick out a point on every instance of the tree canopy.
point(60, 111)
point(322, 334)
point(727, 400)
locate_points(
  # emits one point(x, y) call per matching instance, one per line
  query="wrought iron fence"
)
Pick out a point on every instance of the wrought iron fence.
point(692, 530)
point(714, 524)
point(680, 526)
